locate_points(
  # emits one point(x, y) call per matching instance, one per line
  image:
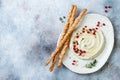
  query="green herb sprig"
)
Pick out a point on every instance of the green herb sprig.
point(62, 19)
point(91, 64)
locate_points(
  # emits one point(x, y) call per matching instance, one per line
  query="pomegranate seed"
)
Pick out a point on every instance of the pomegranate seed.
point(94, 33)
point(106, 7)
point(93, 29)
point(90, 29)
point(109, 6)
point(80, 54)
point(106, 11)
point(84, 51)
point(98, 22)
point(74, 46)
point(74, 42)
point(83, 31)
point(88, 32)
point(76, 51)
point(73, 63)
point(74, 60)
point(96, 28)
point(103, 24)
point(85, 26)
point(97, 25)
point(80, 51)
point(77, 36)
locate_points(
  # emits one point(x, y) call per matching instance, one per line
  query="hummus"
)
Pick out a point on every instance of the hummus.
point(87, 43)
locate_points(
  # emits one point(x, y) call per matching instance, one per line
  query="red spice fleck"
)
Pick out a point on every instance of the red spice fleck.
point(74, 60)
point(106, 7)
point(103, 24)
point(106, 11)
point(73, 63)
point(77, 36)
point(109, 6)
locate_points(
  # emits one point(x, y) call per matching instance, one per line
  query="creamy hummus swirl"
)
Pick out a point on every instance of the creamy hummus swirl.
point(87, 43)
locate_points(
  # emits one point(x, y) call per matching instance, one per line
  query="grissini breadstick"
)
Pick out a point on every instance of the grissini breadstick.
point(70, 20)
point(66, 25)
point(67, 42)
point(53, 63)
point(66, 36)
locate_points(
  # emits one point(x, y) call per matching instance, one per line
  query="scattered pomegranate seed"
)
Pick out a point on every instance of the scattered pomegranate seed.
point(80, 50)
point(94, 33)
point(85, 26)
point(74, 60)
point(73, 63)
point(97, 25)
point(74, 46)
point(84, 51)
point(106, 11)
point(80, 54)
point(103, 24)
point(88, 32)
point(106, 7)
point(98, 22)
point(83, 31)
point(96, 28)
point(93, 29)
point(90, 29)
point(109, 6)
point(74, 42)
point(77, 36)
point(76, 51)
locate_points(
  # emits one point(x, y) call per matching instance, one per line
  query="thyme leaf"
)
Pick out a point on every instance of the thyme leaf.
point(91, 64)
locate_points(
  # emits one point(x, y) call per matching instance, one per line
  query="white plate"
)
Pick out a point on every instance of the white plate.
point(91, 20)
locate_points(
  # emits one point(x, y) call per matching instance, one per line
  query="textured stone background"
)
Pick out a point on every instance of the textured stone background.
point(28, 34)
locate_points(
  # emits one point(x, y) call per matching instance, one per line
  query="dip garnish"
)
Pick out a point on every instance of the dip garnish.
point(91, 64)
